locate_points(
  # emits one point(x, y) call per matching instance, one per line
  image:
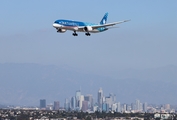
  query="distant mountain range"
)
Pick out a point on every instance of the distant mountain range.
point(26, 84)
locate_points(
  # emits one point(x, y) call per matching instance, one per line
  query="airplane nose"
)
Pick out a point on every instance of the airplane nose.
point(56, 25)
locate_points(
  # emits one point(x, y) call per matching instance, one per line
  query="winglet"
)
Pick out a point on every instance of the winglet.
point(126, 20)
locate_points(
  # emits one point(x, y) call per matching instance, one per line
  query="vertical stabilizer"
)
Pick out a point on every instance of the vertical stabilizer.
point(104, 19)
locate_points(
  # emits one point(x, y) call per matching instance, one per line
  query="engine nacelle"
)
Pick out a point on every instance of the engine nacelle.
point(88, 28)
point(61, 30)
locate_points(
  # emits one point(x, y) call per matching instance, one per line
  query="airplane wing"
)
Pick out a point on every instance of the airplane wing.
point(109, 24)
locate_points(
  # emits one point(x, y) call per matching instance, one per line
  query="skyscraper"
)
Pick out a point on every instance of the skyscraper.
point(108, 100)
point(118, 107)
point(141, 106)
point(78, 95)
point(114, 107)
point(80, 102)
point(56, 105)
point(84, 106)
point(145, 107)
point(67, 105)
point(124, 107)
point(113, 97)
point(105, 107)
point(137, 104)
point(42, 103)
point(100, 98)
point(133, 106)
point(89, 98)
point(73, 102)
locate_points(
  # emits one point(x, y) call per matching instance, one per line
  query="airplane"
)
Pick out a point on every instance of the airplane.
point(63, 25)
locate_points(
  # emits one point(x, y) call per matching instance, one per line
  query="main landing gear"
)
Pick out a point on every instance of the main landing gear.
point(75, 34)
point(88, 34)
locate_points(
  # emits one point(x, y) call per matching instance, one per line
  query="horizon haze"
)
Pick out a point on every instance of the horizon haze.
point(27, 83)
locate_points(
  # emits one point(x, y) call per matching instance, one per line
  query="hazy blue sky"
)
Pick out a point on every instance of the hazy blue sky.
point(148, 40)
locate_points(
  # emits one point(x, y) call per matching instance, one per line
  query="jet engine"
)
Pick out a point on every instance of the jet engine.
point(61, 30)
point(88, 28)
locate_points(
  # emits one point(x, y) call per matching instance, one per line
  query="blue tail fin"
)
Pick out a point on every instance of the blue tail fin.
point(104, 19)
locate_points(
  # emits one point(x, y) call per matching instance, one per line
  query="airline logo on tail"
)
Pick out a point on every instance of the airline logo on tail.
point(104, 19)
point(63, 25)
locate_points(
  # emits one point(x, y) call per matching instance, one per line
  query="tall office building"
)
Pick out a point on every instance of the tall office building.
point(124, 107)
point(114, 107)
point(141, 106)
point(78, 95)
point(89, 98)
point(128, 107)
point(113, 97)
point(67, 104)
point(42, 103)
point(56, 105)
point(80, 102)
point(105, 107)
point(73, 102)
point(100, 98)
point(137, 105)
point(84, 106)
point(145, 107)
point(108, 100)
point(118, 107)
point(133, 106)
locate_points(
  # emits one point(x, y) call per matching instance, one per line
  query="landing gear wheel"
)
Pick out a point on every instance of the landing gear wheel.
point(75, 34)
point(87, 34)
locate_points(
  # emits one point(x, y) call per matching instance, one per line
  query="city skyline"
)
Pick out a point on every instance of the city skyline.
point(86, 103)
